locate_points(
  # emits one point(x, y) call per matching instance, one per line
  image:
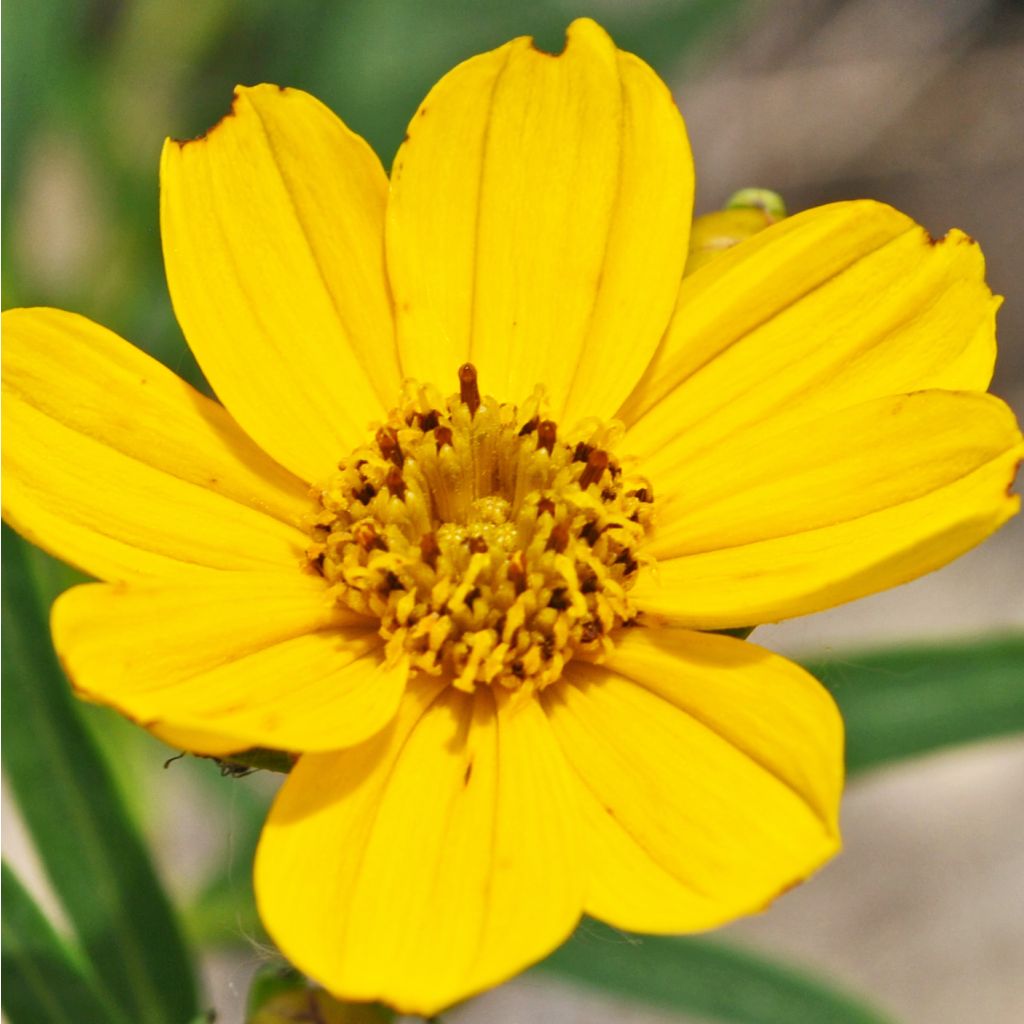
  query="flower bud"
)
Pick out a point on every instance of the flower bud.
point(746, 213)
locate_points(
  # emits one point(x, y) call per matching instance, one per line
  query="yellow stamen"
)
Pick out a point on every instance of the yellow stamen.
point(491, 548)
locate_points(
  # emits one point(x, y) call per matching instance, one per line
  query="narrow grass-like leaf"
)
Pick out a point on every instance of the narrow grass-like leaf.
point(703, 979)
point(909, 701)
point(42, 981)
point(96, 861)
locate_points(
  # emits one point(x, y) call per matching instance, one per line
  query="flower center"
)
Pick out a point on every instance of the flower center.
point(491, 548)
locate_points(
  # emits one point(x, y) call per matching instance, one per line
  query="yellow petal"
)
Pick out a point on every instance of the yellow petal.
point(804, 517)
point(826, 309)
point(710, 773)
point(538, 223)
point(273, 239)
point(429, 863)
point(230, 661)
point(114, 464)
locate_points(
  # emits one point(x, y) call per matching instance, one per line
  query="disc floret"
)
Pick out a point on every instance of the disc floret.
point(490, 548)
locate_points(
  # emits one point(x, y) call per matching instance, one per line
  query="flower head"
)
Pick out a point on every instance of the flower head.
point(485, 470)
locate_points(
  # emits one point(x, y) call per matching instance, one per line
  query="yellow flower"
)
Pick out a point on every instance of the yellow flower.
point(481, 629)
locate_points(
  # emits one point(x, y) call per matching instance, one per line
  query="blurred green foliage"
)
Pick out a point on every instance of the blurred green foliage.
point(126, 935)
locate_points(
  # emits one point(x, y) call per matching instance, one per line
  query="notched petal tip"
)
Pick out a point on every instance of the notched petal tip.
point(579, 30)
point(954, 236)
point(231, 112)
point(240, 92)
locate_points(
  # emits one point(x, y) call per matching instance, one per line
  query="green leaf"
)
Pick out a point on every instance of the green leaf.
point(96, 861)
point(42, 982)
point(701, 978)
point(905, 702)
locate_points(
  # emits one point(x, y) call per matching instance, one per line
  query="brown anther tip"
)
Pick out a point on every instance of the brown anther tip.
point(443, 436)
point(428, 421)
point(559, 539)
point(547, 434)
point(478, 546)
point(582, 452)
point(559, 599)
point(529, 427)
point(365, 535)
point(597, 463)
point(517, 571)
point(394, 482)
point(387, 442)
point(469, 391)
point(429, 549)
point(545, 505)
point(625, 558)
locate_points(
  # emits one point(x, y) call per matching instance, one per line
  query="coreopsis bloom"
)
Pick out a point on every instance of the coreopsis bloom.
point(485, 476)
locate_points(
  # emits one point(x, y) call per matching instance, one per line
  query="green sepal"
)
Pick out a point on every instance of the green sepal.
point(269, 982)
point(280, 994)
point(740, 632)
